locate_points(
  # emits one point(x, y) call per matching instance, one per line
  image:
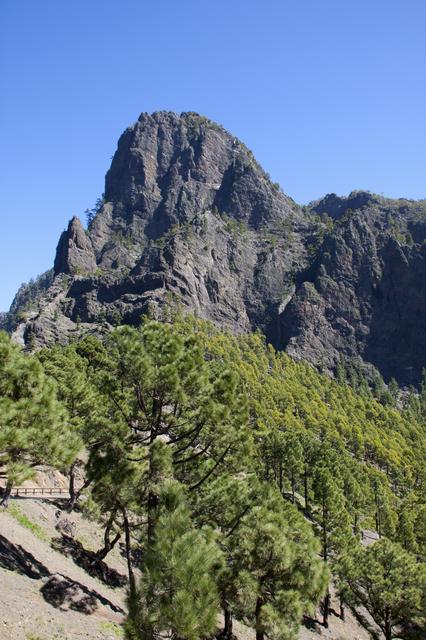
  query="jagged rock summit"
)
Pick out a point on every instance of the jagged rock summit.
point(190, 219)
point(75, 251)
point(365, 294)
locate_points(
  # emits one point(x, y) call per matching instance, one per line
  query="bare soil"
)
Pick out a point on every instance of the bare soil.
point(47, 592)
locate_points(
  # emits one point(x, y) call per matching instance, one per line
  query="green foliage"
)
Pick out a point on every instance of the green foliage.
point(331, 515)
point(86, 411)
point(235, 227)
point(178, 592)
point(191, 431)
point(195, 123)
point(389, 583)
point(112, 627)
point(33, 423)
point(123, 238)
point(280, 576)
point(156, 386)
point(27, 298)
point(24, 521)
point(93, 212)
point(70, 372)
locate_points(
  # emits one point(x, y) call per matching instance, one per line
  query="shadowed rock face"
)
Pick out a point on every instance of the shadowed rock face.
point(365, 296)
point(74, 253)
point(189, 218)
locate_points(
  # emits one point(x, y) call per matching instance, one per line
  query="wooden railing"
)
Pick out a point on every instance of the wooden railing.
point(39, 491)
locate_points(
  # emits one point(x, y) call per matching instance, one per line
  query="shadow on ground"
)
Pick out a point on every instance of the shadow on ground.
point(87, 560)
point(16, 558)
point(63, 593)
point(58, 590)
point(311, 624)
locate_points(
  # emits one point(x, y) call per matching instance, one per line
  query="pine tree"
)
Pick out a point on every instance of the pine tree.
point(33, 423)
point(293, 460)
point(178, 594)
point(389, 583)
point(84, 406)
point(406, 526)
point(356, 490)
point(280, 576)
point(385, 514)
point(222, 505)
point(332, 519)
point(310, 448)
point(158, 386)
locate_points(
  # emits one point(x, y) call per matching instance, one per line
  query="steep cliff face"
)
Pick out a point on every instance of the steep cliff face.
point(365, 295)
point(190, 219)
point(74, 253)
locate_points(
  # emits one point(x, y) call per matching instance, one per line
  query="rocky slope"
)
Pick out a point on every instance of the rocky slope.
point(189, 219)
point(364, 296)
point(46, 592)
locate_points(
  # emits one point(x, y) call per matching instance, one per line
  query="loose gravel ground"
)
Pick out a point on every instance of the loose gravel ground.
point(45, 595)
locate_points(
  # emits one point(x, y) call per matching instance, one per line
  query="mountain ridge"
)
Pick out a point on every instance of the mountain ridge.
point(190, 219)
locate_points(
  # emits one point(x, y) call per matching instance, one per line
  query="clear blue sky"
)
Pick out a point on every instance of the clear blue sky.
point(329, 94)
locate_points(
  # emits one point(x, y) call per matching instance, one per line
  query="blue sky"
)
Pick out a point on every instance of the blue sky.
point(329, 94)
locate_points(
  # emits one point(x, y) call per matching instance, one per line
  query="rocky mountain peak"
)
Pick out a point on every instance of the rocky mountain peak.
point(190, 219)
point(335, 206)
point(74, 252)
point(169, 167)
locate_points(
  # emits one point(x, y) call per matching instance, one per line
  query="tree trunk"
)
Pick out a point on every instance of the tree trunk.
point(71, 485)
point(4, 502)
point(356, 524)
point(260, 634)
point(74, 495)
point(378, 526)
point(102, 553)
point(152, 506)
point(388, 626)
point(152, 500)
point(342, 609)
point(378, 517)
point(227, 617)
point(326, 605)
point(324, 532)
point(293, 488)
point(132, 582)
point(306, 490)
point(108, 543)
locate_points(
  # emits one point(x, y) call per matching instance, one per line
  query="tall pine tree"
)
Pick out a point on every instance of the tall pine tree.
point(34, 426)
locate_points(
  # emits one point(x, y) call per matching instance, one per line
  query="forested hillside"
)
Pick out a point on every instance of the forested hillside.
point(239, 480)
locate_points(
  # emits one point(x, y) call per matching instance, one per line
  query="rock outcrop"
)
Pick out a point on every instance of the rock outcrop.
point(74, 253)
point(190, 219)
point(365, 295)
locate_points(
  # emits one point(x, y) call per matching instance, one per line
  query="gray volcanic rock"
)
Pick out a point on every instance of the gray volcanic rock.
point(74, 253)
point(365, 295)
point(189, 219)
